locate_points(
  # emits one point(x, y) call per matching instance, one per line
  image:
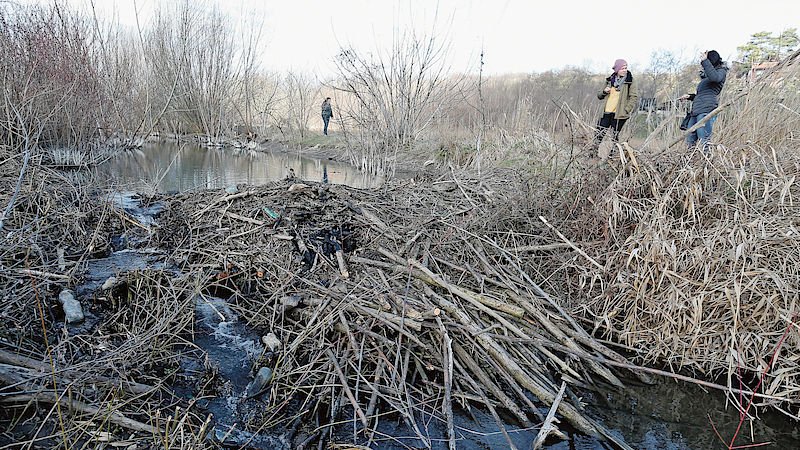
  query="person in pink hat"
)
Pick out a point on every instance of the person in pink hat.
point(621, 99)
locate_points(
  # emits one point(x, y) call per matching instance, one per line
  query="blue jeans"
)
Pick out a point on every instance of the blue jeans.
point(325, 119)
point(702, 134)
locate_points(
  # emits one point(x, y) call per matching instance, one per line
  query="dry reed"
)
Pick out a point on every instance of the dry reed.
point(699, 251)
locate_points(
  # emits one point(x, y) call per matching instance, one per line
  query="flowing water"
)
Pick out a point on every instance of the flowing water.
point(669, 415)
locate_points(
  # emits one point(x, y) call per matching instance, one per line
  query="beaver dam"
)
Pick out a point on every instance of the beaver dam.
point(307, 315)
point(512, 291)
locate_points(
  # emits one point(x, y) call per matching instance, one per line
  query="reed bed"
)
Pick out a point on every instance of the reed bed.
point(704, 254)
point(698, 251)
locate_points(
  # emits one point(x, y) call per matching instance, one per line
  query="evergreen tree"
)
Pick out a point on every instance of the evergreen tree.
point(764, 46)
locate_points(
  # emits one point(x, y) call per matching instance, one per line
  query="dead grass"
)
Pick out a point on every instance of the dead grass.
point(699, 252)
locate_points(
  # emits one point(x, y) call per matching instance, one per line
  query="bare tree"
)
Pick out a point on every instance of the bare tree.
point(248, 89)
point(49, 76)
point(393, 96)
point(299, 92)
point(194, 52)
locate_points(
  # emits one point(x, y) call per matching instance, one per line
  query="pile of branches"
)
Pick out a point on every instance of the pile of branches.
point(96, 380)
point(405, 301)
point(50, 227)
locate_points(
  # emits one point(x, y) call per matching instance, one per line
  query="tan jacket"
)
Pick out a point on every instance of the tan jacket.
point(628, 99)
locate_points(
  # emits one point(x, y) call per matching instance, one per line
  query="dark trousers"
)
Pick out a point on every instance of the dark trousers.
point(325, 119)
point(608, 123)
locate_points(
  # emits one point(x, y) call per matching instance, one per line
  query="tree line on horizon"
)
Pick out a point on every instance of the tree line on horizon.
point(71, 79)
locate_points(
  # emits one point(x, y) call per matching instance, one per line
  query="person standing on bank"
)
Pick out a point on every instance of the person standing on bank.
point(327, 114)
point(621, 98)
point(712, 79)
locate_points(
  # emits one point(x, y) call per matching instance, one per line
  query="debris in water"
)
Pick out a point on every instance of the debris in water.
point(263, 377)
point(271, 342)
point(109, 283)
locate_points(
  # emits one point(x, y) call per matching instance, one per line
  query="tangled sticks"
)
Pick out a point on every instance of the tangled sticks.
point(401, 301)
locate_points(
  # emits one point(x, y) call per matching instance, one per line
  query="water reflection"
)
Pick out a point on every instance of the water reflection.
point(167, 167)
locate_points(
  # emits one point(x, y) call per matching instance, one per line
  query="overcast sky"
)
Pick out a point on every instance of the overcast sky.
point(516, 35)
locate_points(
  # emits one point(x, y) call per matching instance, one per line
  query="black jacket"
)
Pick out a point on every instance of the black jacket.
point(711, 82)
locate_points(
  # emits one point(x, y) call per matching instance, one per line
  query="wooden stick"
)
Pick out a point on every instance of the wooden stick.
point(541, 317)
point(39, 273)
point(537, 290)
point(490, 407)
point(342, 266)
point(574, 247)
point(346, 388)
point(372, 219)
point(486, 381)
point(380, 315)
point(508, 363)
point(447, 356)
point(374, 398)
point(244, 219)
point(548, 426)
point(124, 216)
point(607, 352)
point(226, 198)
point(424, 274)
point(112, 416)
point(541, 248)
point(664, 373)
point(461, 187)
point(44, 369)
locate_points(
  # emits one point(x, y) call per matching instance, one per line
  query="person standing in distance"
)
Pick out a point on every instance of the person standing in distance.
point(706, 99)
point(327, 114)
point(621, 98)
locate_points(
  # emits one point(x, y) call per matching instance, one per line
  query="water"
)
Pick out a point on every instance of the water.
point(679, 415)
point(169, 167)
point(231, 348)
point(669, 415)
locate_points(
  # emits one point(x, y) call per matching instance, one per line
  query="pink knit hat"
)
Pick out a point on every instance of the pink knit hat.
point(618, 64)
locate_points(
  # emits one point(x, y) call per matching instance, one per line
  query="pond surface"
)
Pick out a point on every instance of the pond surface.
point(170, 167)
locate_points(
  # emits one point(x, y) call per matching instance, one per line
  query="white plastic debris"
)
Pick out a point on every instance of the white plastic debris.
point(72, 307)
point(271, 342)
point(109, 283)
